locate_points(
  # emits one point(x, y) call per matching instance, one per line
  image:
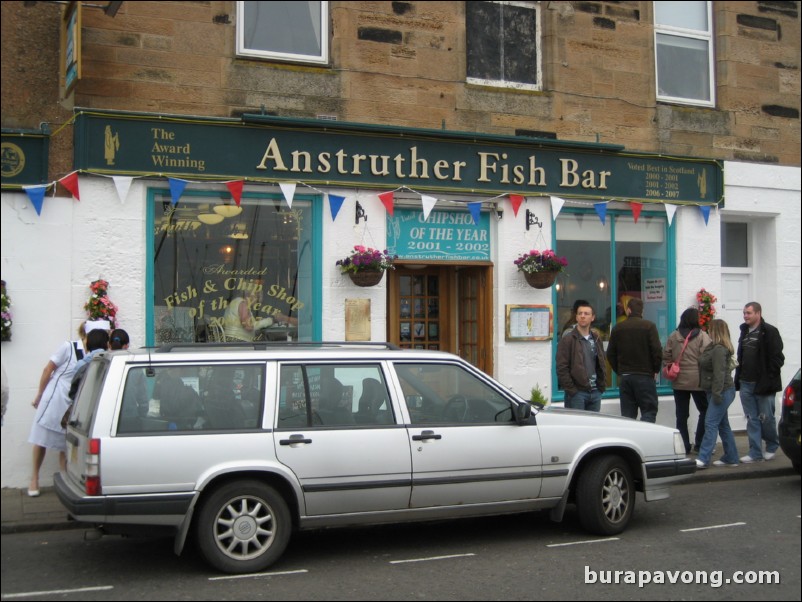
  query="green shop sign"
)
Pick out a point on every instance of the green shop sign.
point(24, 158)
point(271, 149)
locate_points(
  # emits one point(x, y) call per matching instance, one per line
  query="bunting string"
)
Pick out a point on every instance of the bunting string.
point(122, 183)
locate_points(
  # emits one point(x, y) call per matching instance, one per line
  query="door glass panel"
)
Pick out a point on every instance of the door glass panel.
point(333, 395)
point(469, 316)
point(734, 247)
point(419, 311)
point(445, 393)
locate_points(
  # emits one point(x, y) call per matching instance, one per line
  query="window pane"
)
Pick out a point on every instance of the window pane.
point(483, 25)
point(642, 269)
point(502, 42)
point(585, 243)
point(192, 398)
point(734, 247)
point(243, 277)
point(446, 393)
point(292, 28)
point(688, 15)
point(338, 395)
point(683, 67)
point(519, 29)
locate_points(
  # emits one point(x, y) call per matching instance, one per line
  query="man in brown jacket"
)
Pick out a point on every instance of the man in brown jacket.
point(581, 366)
point(635, 354)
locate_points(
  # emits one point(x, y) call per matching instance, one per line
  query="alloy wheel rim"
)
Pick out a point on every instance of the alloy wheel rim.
point(244, 528)
point(615, 496)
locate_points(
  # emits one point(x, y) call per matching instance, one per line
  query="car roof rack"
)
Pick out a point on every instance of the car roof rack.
point(264, 345)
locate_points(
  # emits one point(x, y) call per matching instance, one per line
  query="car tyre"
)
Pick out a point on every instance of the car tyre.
point(605, 495)
point(243, 527)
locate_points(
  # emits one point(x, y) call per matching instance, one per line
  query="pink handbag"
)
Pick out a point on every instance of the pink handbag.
point(671, 369)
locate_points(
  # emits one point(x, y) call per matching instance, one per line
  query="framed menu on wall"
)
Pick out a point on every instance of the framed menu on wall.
point(529, 323)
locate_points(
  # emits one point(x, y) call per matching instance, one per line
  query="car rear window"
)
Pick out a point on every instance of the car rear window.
point(192, 398)
point(88, 395)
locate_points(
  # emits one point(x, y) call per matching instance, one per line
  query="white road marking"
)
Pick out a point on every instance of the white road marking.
point(258, 575)
point(431, 558)
point(712, 527)
point(58, 592)
point(579, 543)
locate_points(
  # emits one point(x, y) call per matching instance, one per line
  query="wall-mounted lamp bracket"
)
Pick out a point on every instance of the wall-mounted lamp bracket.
point(532, 220)
point(360, 213)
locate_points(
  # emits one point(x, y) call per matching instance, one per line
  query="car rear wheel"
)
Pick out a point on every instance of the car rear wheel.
point(605, 495)
point(243, 527)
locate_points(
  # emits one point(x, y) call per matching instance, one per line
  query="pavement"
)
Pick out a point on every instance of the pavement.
point(21, 513)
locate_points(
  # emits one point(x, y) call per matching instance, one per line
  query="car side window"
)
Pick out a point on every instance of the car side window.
point(219, 397)
point(321, 395)
point(449, 394)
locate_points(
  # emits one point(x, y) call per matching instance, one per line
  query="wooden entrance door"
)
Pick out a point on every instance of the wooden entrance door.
point(445, 308)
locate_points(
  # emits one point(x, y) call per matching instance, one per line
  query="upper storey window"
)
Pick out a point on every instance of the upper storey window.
point(683, 51)
point(284, 31)
point(503, 44)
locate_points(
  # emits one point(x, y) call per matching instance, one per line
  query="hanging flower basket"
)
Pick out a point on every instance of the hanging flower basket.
point(366, 266)
point(540, 279)
point(366, 277)
point(540, 268)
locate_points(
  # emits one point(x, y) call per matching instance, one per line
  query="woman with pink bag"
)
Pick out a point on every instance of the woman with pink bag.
point(684, 346)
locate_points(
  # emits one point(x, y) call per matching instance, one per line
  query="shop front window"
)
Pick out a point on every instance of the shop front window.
point(609, 264)
point(223, 273)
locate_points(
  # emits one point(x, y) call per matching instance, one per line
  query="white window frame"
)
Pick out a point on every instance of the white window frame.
point(321, 59)
point(695, 34)
point(535, 6)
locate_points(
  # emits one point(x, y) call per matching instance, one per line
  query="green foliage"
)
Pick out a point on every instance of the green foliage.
point(537, 397)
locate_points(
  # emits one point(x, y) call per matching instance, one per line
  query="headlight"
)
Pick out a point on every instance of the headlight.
point(679, 445)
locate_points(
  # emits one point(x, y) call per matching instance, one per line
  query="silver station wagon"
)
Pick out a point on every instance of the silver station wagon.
point(240, 444)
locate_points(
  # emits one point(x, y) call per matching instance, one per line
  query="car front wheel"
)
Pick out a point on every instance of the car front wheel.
point(243, 527)
point(605, 495)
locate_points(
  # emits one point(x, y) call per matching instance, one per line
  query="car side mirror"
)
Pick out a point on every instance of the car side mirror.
point(523, 412)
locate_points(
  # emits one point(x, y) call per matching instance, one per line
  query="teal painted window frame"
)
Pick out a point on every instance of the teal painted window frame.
point(671, 259)
point(316, 202)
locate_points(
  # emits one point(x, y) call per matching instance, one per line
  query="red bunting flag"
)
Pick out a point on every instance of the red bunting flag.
point(516, 200)
point(636, 209)
point(70, 182)
point(387, 200)
point(236, 190)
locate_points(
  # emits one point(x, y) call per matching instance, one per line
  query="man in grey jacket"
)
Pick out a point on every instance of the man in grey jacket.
point(635, 354)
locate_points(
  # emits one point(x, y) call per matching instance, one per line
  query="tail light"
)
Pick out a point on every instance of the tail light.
point(789, 397)
point(92, 474)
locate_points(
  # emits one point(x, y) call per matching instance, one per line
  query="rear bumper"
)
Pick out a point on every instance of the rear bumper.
point(161, 509)
point(790, 440)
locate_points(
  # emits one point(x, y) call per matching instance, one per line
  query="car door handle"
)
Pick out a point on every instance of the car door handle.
point(294, 439)
point(426, 435)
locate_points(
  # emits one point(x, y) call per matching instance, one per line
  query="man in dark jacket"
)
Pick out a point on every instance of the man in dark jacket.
point(760, 358)
point(581, 367)
point(635, 354)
